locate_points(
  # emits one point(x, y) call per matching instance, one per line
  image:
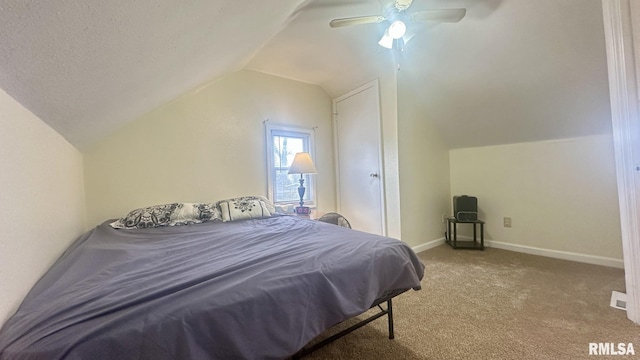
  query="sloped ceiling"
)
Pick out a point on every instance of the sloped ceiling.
point(87, 67)
point(510, 71)
point(522, 71)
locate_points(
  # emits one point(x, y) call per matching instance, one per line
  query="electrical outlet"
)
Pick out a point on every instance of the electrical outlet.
point(507, 222)
point(443, 218)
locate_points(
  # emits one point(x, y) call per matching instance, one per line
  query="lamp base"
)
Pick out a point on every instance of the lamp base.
point(302, 210)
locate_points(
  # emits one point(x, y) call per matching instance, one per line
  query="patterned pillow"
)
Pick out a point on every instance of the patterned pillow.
point(270, 206)
point(168, 215)
point(194, 213)
point(247, 207)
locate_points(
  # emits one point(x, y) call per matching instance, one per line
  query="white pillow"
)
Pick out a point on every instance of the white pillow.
point(248, 207)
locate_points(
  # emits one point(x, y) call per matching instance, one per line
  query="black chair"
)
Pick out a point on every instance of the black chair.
point(335, 219)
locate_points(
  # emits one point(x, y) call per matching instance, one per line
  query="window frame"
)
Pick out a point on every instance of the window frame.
point(274, 129)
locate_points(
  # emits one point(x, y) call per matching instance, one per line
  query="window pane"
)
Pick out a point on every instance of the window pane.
point(287, 187)
point(285, 148)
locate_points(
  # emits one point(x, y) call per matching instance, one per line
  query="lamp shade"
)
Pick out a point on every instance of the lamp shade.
point(302, 164)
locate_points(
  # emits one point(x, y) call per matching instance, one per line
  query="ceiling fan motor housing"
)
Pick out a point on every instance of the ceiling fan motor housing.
point(402, 5)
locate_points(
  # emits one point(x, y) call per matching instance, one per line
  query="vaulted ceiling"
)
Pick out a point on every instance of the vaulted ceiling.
point(510, 71)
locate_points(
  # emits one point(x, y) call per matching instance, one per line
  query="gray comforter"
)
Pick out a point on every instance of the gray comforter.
point(254, 289)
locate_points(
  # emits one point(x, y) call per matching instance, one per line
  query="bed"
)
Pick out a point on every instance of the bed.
point(254, 288)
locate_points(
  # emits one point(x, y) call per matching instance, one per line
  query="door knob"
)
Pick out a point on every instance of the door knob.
point(373, 175)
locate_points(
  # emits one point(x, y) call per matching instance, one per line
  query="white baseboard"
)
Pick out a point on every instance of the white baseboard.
point(428, 245)
point(556, 254)
point(564, 255)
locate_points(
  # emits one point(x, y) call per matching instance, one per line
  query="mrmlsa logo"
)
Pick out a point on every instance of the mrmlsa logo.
point(611, 349)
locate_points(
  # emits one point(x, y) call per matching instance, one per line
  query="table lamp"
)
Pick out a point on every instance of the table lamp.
point(302, 164)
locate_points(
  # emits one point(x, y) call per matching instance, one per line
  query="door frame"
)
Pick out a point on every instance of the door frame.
point(624, 100)
point(336, 148)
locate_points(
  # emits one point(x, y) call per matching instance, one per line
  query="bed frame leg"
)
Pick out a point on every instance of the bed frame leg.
point(388, 311)
point(390, 317)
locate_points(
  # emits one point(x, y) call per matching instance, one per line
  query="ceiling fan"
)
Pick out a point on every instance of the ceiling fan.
point(397, 16)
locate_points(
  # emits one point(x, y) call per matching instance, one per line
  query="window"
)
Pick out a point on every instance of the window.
point(283, 142)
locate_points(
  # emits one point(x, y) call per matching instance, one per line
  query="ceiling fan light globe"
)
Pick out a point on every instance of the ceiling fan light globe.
point(407, 37)
point(397, 29)
point(386, 41)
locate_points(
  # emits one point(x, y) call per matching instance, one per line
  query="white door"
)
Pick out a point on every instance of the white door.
point(358, 159)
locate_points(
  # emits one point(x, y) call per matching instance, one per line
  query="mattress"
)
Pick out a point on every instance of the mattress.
point(251, 289)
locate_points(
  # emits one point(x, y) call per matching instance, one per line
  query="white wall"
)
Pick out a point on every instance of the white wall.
point(42, 200)
point(206, 145)
point(561, 195)
point(424, 168)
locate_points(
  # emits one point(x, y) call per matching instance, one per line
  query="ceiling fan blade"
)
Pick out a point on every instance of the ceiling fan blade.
point(448, 15)
point(356, 21)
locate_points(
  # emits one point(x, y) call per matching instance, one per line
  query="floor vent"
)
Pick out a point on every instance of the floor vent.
point(618, 300)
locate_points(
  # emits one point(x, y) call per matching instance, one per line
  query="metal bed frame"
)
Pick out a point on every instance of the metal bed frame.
point(388, 311)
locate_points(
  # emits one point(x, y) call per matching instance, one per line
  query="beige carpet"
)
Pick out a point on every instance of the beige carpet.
point(497, 304)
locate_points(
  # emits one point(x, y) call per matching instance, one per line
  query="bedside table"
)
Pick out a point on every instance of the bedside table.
point(466, 244)
point(315, 214)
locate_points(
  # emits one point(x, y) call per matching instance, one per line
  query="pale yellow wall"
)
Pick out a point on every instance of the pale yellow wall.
point(42, 197)
point(424, 170)
point(206, 145)
point(561, 195)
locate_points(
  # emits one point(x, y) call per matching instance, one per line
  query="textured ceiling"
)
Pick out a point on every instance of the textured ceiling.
point(87, 67)
point(510, 71)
